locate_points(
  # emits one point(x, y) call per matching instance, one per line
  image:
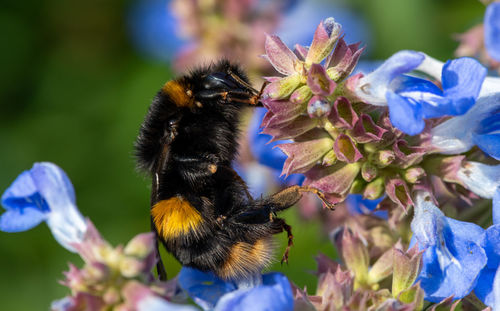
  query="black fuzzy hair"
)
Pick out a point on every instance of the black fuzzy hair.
point(155, 128)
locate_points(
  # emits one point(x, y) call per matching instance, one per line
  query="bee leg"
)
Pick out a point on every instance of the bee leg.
point(160, 267)
point(289, 196)
point(288, 229)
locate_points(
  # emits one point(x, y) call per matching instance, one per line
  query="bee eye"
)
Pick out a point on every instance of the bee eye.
point(219, 80)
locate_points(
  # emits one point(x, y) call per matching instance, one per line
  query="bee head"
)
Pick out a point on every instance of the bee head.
point(222, 85)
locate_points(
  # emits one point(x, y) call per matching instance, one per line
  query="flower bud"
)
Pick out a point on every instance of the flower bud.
point(301, 95)
point(415, 295)
point(141, 245)
point(406, 269)
point(284, 87)
point(330, 158)
point(412, 175)
point(374, 189)
point(382, 158)
point(368, 171)
point(131, 267)
point(357, 186)
point(324, 39)
point(382, 268)
point(96, 272)
point(354, 254)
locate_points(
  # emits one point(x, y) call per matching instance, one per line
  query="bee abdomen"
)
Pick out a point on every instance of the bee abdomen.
point(246, 258)
point(175, 218)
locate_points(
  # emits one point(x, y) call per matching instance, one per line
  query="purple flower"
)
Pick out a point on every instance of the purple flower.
point(492, 30)
point(453, 256)
point(411, 100)
point(43, 193)
point(270, 291)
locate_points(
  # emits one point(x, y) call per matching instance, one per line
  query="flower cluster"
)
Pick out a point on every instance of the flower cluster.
point(416, 134)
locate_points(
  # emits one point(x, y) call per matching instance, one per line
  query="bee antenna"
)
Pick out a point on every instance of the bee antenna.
point(242, 82)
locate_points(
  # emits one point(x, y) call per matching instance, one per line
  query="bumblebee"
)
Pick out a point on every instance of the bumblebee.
point(201, 209)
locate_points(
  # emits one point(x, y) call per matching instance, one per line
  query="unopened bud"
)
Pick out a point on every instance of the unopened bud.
point(406, 269)
point(141, 245)
point(284, 87)
point(355, 255)
point(131, 267)
point(412, 175)
point(357, 186)
point(301, 95)
point(329, 158)
point(369, 171)
point(382, 158)
point(374, 189)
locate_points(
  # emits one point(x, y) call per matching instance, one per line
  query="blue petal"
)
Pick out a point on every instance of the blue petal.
point(489, 143)
point(204, 287)
point(274, 294)
point(398, 64)
point(489, 124)
point(463, 260)
point(428, 222)
point(496, 207)
point(16, 220)
point(496, 290)
point(53, 185)
point(405, 113)
point(491, 245)
point(357, 205)
point(462, 80)
point(23, 193)
point(426, 94)
point(410, 84)
point(492, 30)
point(484, 287)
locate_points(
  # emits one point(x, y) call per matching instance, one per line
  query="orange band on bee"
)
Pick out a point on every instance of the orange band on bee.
point(175, 217)
point(178, 93)
point(245, 258)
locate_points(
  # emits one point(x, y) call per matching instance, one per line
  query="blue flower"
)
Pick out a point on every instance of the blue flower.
point(411, 100)
point(483, 125)
point(43, 193)
point(357, 205)
point(488, 285)
point(270, 291)
point(453, 256)
point(492, 30)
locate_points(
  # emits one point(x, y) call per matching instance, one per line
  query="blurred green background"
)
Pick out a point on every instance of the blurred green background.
point(74, 90)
